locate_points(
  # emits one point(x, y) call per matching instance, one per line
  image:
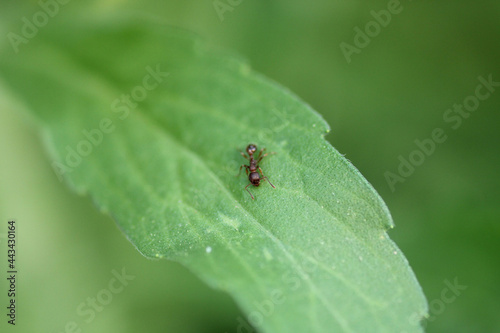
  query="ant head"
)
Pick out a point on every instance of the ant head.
point(251, 148)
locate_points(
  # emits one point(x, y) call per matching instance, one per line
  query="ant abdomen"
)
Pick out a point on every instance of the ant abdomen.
point(254, 178)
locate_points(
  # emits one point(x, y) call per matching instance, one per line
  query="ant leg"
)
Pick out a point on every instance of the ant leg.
point(260, 153)
point(268, 181)
point(261, 157)
point(264, 177)
point(243, 154)
point(246, 169)
point(246, 188)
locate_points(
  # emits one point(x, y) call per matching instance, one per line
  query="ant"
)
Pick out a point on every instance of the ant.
point(254, 176)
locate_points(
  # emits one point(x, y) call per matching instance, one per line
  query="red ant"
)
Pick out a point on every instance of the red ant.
point(254, 176)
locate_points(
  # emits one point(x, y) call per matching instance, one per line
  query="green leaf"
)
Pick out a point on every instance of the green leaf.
point(159, 153)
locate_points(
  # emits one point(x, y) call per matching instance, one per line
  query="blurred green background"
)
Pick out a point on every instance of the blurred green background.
point(394, 91)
